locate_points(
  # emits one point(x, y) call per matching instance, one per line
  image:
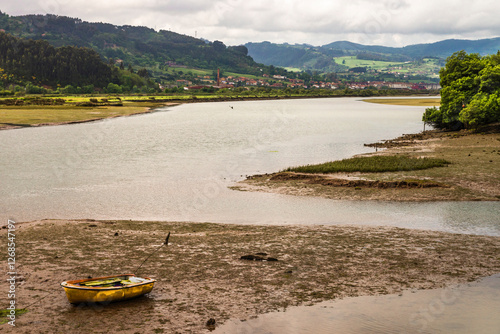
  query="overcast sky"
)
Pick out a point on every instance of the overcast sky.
point(316, 22)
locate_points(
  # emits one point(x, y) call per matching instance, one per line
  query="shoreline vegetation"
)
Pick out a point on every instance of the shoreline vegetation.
point(201, 274)
point(34, 111)
point(371, 164)
point(469, 171)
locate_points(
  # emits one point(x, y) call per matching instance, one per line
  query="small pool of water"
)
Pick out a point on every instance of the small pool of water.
point(459, 309)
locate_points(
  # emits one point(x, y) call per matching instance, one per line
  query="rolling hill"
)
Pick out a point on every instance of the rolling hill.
point(169, 56)
point(136, 46)
point(320, 58)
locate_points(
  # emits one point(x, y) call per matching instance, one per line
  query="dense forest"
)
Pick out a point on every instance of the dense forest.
point(39, 62)
point(136, 46)
point(470, 94)
point(41, 68)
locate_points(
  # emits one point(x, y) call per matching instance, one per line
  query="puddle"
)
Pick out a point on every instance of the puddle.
point(467, 308)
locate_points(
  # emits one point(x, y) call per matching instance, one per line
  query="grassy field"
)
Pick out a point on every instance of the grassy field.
point(293, 69)
point(428, 67)
point(13, 116)
point(188, 70)
point(372, 164)
point(352, 61)
point(199, 72)
point(427, 102)
point(26, 116)
point(82, 108)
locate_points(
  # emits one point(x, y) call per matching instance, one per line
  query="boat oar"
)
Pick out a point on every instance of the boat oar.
point(163, 244)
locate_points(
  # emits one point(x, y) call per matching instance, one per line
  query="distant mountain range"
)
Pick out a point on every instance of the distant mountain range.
point(320, 58)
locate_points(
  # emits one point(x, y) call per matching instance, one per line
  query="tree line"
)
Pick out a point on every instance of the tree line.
point(72, 70)
point(40, 62)
point(470, 94)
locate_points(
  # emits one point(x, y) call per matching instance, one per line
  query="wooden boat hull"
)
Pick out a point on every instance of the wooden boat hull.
point(77, 292)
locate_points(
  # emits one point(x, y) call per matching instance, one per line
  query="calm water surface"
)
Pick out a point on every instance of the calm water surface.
point(463, 309)
point(177, 164)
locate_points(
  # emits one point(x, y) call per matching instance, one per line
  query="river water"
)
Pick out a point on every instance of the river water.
point(177, 164)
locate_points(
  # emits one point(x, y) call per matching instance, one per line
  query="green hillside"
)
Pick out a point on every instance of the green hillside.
point(138, 47)
point(304, 57)
point(353, 61)
point(428, 67)
point(326, 58)
point(39, 67)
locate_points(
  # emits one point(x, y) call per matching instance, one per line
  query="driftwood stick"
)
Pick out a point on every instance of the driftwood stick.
point(156, 250)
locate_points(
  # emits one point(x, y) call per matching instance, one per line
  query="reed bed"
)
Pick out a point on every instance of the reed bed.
point(372, 164)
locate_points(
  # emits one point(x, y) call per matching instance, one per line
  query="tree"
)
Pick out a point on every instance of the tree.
point(272, 70)
point(489, 78)
point(143, 73)
point(69, 89)
point(32, 89)
point(241, 49)
point(88, 89)
point(470, 91)
point(483, 109)
point(114, 89)
point(219, 46)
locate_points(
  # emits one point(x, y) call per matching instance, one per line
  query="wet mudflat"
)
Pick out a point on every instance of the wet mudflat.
point(201, 275)
point(461, 309)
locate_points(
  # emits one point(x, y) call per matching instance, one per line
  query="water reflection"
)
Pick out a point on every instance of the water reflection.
point(469, 308)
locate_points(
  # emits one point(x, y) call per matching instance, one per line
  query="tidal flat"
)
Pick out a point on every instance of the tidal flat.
point(201, 275)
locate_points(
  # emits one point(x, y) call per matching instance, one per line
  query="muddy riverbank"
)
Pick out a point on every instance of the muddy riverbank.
point(201, 275)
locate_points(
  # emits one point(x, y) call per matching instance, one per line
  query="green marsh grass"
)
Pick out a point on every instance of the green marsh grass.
point(372, 164)
point(5, 312)
point(35, 115)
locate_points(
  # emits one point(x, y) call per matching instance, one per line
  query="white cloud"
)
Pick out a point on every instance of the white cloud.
point(390, 22)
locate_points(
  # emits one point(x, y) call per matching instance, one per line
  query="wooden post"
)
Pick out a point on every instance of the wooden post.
point(425, 119)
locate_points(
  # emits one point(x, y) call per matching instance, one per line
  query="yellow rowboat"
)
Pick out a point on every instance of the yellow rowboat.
point(107, 289)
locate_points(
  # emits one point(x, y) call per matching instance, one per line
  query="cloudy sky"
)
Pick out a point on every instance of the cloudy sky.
point(317, 22)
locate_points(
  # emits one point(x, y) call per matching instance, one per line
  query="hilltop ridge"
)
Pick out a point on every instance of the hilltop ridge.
point(322, 58)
